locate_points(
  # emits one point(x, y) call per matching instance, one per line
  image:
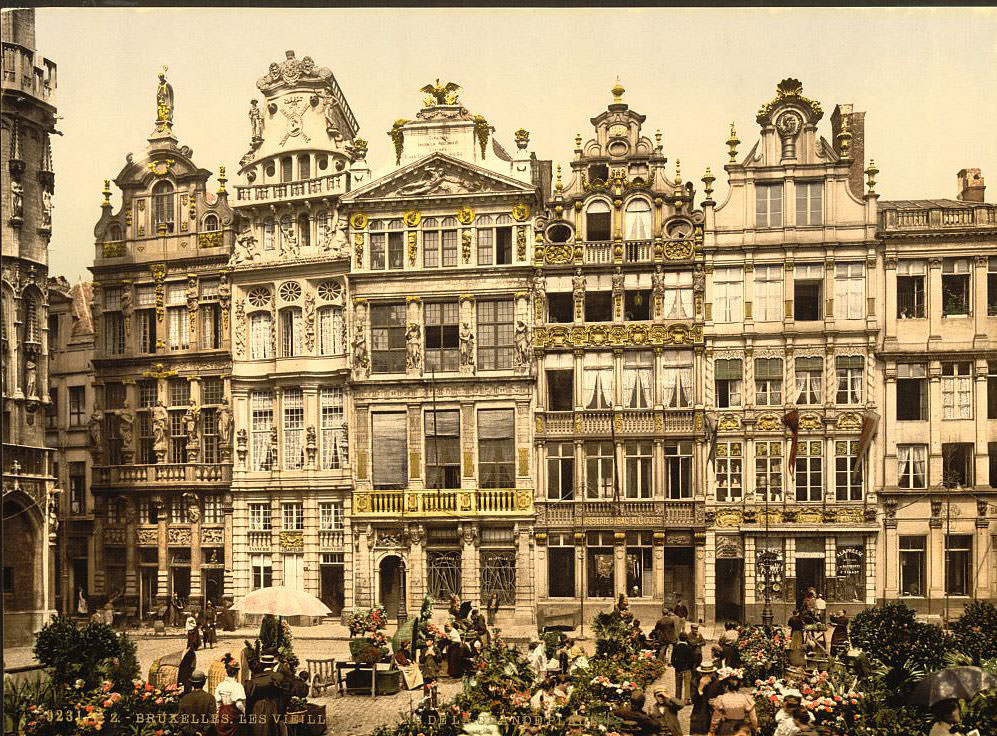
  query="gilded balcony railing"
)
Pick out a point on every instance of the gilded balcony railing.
point(445, 502)
point(626, 512)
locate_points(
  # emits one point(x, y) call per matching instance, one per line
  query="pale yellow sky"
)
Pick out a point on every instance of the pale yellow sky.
point(925, 77)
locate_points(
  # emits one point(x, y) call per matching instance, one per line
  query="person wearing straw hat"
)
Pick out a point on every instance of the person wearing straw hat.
point(703, 689)
point(196, 709)
point(733, 705)
point(791, 700)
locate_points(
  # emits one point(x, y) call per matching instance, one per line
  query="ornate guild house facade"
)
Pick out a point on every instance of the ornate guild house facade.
point(618, 302)
point(441, 361)
point(793, 315)
point(161, 428)
point(292, 478)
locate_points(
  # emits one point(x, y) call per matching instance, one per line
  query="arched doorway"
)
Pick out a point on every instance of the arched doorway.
point(391, 584)
point(23, 577)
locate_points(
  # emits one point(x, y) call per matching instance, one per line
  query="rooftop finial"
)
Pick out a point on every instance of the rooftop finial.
point(441, 94)
point(164, 104)
point(871, 172)
point(106, 193)
point(678, 172)
point(618, 90)
point(222, 180)
point(557, 183)
point(732, 143)
point(708, 180)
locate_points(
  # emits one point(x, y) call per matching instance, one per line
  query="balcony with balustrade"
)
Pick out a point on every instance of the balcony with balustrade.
point(159, 475)
point(320, 186)
point(623, 422)
point(628, 513)
point(951, 215)
point(444, 502)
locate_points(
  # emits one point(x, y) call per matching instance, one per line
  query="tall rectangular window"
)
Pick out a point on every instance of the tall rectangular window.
point(728, 285)
point(560, 390)
point(991, 390)
point(910, 289)
point(390, 435)
point(430, 248)
point(850, 371)
point(259, 517)
point(678, 470)
point(330, 331)
point(442, 449)
point(601, 572)
point(992, 286)
point(912, 391)
point(956, 287)
point(729, 471)
point(957, 390)
point(768, 294)
point(560, 471)
point(560, 307)
point(145, 320)
point(178, 437)
point(261, 338)
point(727, 375)
point(768, 470)
point(958, 463)
point(448, 238)
point(330, 516)
point(676, 379)
point(209, 435)
point(211, 327)
point(912, 466)
point(294, 429)
point(637, 465)
point(261, 423)
point(333, 428)
point(638, 379)
point(262, 571)
point(809, 471)
point(560, 565)
point(848, 475)
point(958, 564)
point(913, 551)
point(387, 333)
point(291, 329)
point(768, 381)
point(496, 448)
point(441, 335)
point(599, 470)
point(293, 516)
point(808, 292)
point(809, 380)
point(495, 334)
point(486, 245)
point(597, 379)
point(377, 243)
point(146, 440)
point(77, 405)
point(396, 250)
point(809, 202)
point(677, 297)
point(177, 320)
point(599, 306)
point(77, 487)
point(213, 512)
point(849, 290)
point(114, 333)
point(768, 205)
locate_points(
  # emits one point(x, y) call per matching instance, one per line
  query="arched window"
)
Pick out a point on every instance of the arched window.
point(32, 332)
point(286, 169)
point(162, 205)
point(597, 221)
point(269, 235)
point(260, 336)
point(304, 167)
point(290, 332)
point(330, 331)
point(304, 231)
point(210, 224)
point(286, 232)
point(114, 232)
point(637, 220)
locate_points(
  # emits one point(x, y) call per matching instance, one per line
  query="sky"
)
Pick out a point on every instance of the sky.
point(924, 77)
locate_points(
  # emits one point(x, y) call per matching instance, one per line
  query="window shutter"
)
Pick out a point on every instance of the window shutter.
point(850, 361)
point(391, 443)
point(728, 370)
point(768, 368)
point(809, 364)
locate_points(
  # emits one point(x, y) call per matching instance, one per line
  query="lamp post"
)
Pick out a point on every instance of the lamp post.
point(766, 562)
point(402, 614)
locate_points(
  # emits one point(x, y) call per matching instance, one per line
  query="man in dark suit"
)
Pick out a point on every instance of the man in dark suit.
point(196, 709)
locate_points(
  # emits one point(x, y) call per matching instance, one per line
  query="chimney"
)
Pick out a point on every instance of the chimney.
point(971, 186)
point(18, 27)
point(856, 147)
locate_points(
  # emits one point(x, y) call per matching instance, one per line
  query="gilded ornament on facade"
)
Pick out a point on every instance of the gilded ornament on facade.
point(413, 247)
point(358, 221)
point(468, 464)
point(849, 420)
point(539, 423)
point(358, 247)
point(465, 215)
point(728, 422)
point(810, 421)
point(361, 502)
point(559, 254)
point(113, 250)
point(178, 536)
point(520, 212)
point(292, 541)
point(678, 250)
point(849, 516)
point(810, 516)
point(161, 168)
point(618, 335)
point(768, 422)
point(412, 218)
point(465, 245)
point(209, 240)
point(729, 517)
point(789, 90)
point(521, 243)
point(524, 461)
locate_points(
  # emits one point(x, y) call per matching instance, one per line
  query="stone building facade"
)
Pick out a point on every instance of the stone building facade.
point(71, 391)
point(442, 365)
point(27, 187)
point(290, 390)
point(939, 359)
point(793, 316)
point(161, 429)
point(618, 301)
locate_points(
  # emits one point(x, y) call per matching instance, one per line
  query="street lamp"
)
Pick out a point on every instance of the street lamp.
point(402, 595)
point(770, 566)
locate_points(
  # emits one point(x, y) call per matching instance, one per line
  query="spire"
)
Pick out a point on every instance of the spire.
point(871, 172)
point(708, 180)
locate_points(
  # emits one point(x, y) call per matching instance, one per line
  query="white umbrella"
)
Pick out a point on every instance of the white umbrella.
point(281, 601)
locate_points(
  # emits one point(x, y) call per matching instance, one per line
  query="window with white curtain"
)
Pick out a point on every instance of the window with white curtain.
point(496, 448)
point(390, 442)
point(637, 464)
point(177, 321)
point(729, 471)
point(333, 427)
point(260, 336)
point(330, 516)
point(676, 379)
point(638, 379)
point(850, 371)
point(599, 468)
point(330, 331)
point(269, 235)
point(597, 380)
point(598, 221)
point(261, 422)
point(259, 517)
point(294, 429)
point(912, 466)
point(637, 220)
point(809, 202)
point(809, 380)
point(957, 390)
point(293, 516)
point(849, 290)
point(677, 298)
point(768, 205)
point(728, 286)
point(768, 294)
point(290, 332)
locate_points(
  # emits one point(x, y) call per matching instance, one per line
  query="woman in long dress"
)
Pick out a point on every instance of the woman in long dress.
point(702, 713)
point(230, 697)
point(410, 671)
point(455, 660)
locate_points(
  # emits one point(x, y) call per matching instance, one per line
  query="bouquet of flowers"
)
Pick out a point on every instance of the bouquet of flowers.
point(835, 710)
point(763, 651)
point(371, 621)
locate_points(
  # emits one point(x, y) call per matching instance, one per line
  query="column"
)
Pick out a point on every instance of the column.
point(889, 315)
point(469, 563)
point(936, 552)
point(933, 297)
point(981, 469)
point(710, 576)
point(871, 573)
point(416, 430)
point(276, 523)
point(581, 583)
point(98, 548)
point(699, 565)
point(229, 553)
point(415, 567)
point(619, 563)
point(195, 557)
point(313, 423)
point(468, 435)
point(979, 292)
point(163, 571)
point(888, 580)
point(540, 578)
point(364, 591)
point(750, 597)
point(525, 598)
point(659, 566)
point(131, 516)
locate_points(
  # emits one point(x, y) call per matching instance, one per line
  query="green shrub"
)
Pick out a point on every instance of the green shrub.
point(981, 713)
point(976, 631)
point(93, 653)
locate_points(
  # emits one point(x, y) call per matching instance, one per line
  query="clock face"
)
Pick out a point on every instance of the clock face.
point(617, 131)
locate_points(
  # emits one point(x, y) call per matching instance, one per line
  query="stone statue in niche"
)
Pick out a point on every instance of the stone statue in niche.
point(256, 121)
point(96, 431)
point(46, 209)
point(466, 338)
point(191, 420)
point(126, 429)
point(361, 361)
point(522, 343)
point(193, 509)
point(30, 378)
point(160, 423)
point(16, 200)
point(329, 112)
point(225, 424)
point(413, 342)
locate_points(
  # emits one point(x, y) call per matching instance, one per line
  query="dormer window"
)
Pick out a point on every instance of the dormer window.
point(162, 205)
point(210, 224)
point(114, 233)
point(598, 172)
point(597, 221)
point(286, 166)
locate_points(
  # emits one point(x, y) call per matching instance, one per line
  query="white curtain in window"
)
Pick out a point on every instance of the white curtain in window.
point(849, 290)
point(676, 379)
point(179, 328)
point(597, 377)
point(330, 330)
point(768, 293)
point(638, 373)
point(727, 286)
point(678, 295)
point(260, 333)
point(291, 332)
point(637, 220)
point(333, 428)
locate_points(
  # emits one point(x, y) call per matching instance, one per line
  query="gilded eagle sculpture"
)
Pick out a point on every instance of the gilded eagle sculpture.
point(441, 94)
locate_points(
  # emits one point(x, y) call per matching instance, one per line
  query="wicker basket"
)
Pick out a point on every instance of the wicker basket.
point(164, 670)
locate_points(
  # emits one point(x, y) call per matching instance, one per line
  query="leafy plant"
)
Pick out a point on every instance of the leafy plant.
point(92, 653)
point(976, 631)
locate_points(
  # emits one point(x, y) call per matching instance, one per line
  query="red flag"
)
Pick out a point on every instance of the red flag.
point(792, 420)
point(870, 422)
